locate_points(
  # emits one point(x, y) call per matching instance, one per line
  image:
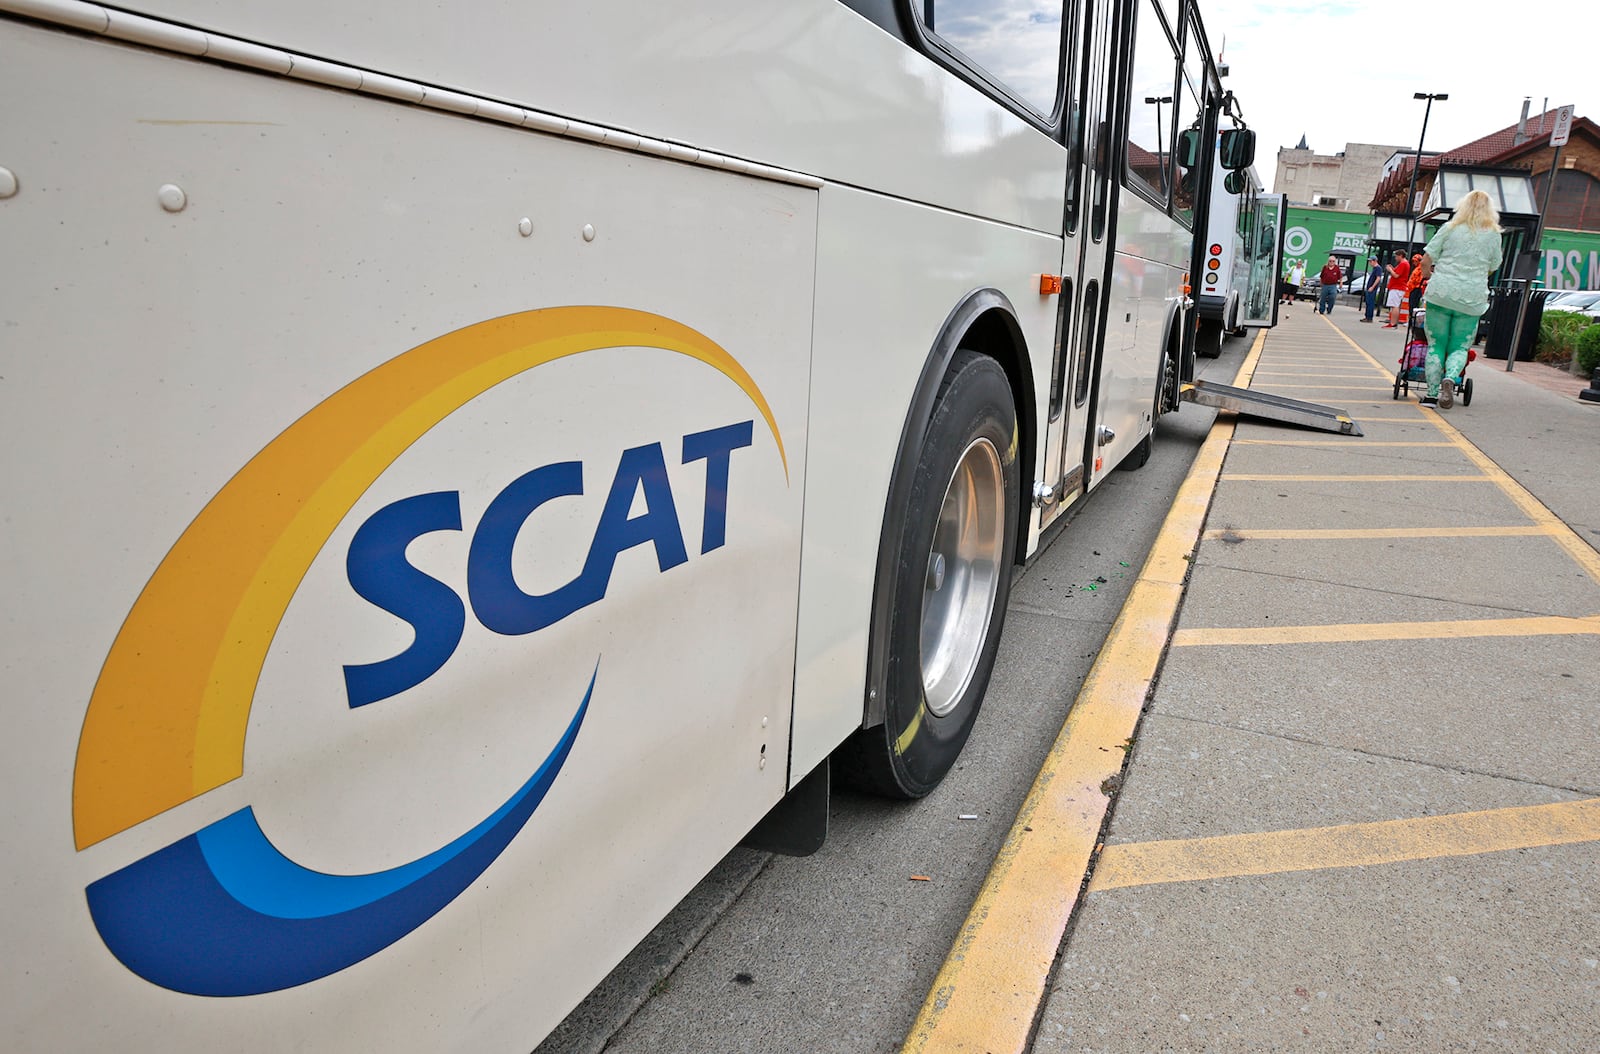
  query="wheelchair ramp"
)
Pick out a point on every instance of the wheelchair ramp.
point(1248, 402)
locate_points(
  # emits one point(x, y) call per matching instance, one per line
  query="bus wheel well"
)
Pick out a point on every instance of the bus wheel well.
point(984, 323)
point(995, 333)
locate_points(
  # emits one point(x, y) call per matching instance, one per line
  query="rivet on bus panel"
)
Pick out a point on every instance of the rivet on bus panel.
point(588, 232)
point(172, 197)
point(525, 226)
point(8, 182)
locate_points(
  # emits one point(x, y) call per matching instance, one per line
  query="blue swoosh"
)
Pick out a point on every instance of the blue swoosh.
point(223, 913)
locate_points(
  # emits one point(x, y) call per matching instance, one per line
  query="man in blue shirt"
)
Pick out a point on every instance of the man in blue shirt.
point(1374, 280)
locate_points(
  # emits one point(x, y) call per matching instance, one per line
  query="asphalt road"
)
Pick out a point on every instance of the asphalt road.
point(836, 952)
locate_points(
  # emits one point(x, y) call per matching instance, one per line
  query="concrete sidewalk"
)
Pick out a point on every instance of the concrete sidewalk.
point(1363, 807)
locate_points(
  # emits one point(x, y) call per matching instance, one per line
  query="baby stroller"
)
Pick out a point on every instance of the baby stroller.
point(1413, 366)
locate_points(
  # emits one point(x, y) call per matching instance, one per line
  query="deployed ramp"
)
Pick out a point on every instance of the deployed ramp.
point(1247, 402)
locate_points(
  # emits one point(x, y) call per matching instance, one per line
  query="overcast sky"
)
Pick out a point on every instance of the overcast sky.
point(1337, 71)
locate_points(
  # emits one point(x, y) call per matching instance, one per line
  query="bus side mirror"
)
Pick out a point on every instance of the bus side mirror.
point(1234, 183)
point(1187, 149)
point(1238, 149)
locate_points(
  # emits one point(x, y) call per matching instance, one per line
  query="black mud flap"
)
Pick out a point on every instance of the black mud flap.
point(798, 824)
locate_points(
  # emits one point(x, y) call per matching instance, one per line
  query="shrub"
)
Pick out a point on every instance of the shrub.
point(1589, 350)
point(1558, 336)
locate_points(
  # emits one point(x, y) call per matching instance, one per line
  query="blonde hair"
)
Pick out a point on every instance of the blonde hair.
point(1477, 211)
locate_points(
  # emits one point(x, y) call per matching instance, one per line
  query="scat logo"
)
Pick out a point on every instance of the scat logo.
point(222, 912)
point(379, 572)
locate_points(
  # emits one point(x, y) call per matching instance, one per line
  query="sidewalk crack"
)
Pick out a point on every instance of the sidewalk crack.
point(1437, 766)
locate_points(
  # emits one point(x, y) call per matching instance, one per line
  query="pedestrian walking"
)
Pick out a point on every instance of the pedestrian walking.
point(1399, 273)
point(1457, 264)
point(1293, 278)
point(1331, 276)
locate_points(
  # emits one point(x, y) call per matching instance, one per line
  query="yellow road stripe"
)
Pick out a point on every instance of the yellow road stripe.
point(1327, 442)
point(1352, 845)
point(1385, 389)
point(1334, 534)
point(1353, 373)
point(1348, 633)
point(1580, 551)
point(1569, 540)
point(1250, 477)
point(992, 982)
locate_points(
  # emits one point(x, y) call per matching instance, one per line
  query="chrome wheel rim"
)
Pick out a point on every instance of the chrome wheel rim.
point(963, 576)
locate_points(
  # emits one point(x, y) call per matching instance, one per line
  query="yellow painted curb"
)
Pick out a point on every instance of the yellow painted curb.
point(993, 982)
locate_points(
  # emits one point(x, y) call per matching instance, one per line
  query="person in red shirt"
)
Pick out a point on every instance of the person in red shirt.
point(1399, 275)
point(1331, 276)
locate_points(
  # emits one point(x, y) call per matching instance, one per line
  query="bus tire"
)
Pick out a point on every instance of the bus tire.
point(950, 586)
point(1208, 339)
point(1167, 398)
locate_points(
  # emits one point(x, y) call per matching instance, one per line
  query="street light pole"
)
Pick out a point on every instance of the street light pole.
point(1411, 194)
point(1158, 100)
point(1538, 241)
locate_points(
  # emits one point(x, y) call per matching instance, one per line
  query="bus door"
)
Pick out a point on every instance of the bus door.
point(1090, 189)
point(1262, 227)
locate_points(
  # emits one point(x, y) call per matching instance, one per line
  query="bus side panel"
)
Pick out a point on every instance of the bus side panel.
point(803, 84)
point(1146, 284)
point(422, 493)
point(894, 273)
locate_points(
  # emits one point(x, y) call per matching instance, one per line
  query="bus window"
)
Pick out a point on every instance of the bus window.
point(1088, 337)
point(1100, 86)
point(1072, 134)
point(1185, 179)
point(1017, 45)
point(1152, 88)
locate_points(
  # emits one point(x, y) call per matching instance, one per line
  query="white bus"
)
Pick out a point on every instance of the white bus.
point(1243, 257)
point(468, 467)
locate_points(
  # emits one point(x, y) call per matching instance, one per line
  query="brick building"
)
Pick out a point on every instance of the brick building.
point(1334, 181)
point(1575, 199)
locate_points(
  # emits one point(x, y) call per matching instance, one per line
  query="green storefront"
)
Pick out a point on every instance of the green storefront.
point(1312, 235)
point(1567, 259)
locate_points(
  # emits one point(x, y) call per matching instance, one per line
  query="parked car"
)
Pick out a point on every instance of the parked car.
point(1585, 301)
point(1357, 286)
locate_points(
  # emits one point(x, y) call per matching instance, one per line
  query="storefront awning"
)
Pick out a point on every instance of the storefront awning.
point(1511, 190)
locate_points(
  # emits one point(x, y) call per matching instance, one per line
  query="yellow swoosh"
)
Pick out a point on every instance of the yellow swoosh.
point(168, 715)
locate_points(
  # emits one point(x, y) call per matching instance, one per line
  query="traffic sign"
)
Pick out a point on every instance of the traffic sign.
point(1563, 129)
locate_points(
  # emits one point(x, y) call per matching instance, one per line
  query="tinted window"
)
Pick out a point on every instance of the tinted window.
point(1153, 81)
point(1016, 42)
point(1186, 178)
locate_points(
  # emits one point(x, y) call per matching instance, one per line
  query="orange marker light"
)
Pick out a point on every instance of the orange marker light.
point(1049, 284)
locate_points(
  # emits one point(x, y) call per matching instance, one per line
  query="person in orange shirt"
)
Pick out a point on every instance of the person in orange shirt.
point(1399, 275)
point(1416, 285)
